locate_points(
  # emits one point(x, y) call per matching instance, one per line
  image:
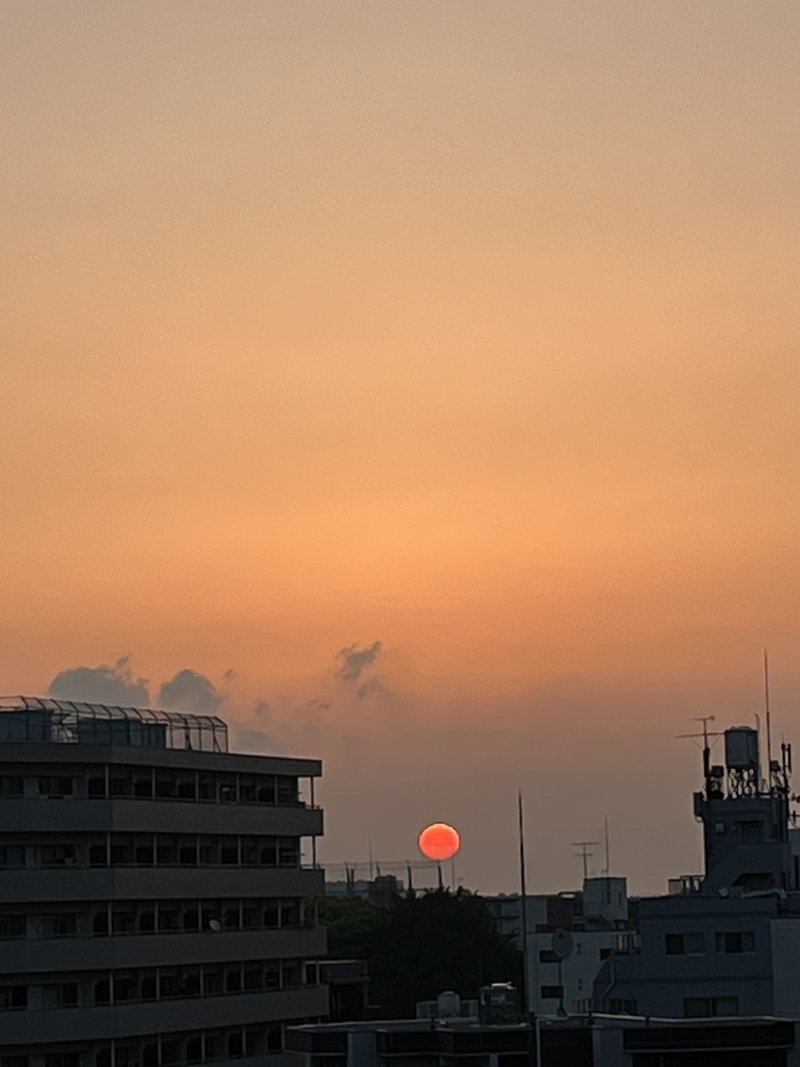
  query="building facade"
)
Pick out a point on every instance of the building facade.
point(154, 891)
point(725, 944)
point(599, 921)
point(564, 960)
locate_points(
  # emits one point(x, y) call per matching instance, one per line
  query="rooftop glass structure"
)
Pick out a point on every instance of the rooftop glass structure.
point(68, 722)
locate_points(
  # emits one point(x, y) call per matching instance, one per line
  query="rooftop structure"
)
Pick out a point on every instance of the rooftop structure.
point(588, 1042)
point(723, 944)
point(34, 719)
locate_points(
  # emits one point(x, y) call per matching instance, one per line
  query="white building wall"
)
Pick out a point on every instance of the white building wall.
point(578, 970)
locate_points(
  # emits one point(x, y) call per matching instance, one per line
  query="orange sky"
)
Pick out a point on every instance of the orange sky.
point(470, 327)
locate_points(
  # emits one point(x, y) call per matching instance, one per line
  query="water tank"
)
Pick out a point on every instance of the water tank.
point(448, 1005)
point(741, 748)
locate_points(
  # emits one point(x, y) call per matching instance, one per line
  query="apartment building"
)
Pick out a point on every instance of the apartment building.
point(155, 891)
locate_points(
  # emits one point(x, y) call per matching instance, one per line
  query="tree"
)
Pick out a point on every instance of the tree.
point(420, 946)
point(352, 924)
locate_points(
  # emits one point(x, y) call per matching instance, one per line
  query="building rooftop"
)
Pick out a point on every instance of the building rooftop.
point(38, 719)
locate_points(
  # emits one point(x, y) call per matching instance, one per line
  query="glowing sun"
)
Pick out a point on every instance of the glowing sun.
point(439, 841)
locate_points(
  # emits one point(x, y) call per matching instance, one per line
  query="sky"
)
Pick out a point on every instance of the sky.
point(415, 383)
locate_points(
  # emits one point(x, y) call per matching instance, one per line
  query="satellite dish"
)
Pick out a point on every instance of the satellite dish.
point(215, 925)
point(561, 944)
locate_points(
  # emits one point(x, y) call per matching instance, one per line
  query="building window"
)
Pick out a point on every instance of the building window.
point(98, 854)
point(96, 786)
point(58, 855)
point(275, 1037)
point(551, 992)
point(546, 955)
point(166, 785)
point(100, 923)
point(693, 944)
point(13, 997)
point(12, 855)
point(736, 941)
point(143, 784)
point(63, 1059)
point(60, 925)
point(709, 1007)
point(60, 995)
point(56, 787)
point(11, 786)
point(12, 926)
point(287, 790)
point(619, 1006)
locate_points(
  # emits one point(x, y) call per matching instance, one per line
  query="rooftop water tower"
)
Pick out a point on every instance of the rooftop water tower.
point(742, 761)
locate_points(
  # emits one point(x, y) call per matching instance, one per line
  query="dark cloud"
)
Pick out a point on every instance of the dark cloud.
point(102, 685)
point(352, 661)
point(230, 675)
point(256, 742)
point(373, 687)
point(318, 705)
point(190, 691)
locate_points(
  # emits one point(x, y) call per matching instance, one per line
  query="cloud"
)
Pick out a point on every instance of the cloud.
point(248, 739)
point(102, 685)
point(373, 687)
point(353, 661)
point(190, 691)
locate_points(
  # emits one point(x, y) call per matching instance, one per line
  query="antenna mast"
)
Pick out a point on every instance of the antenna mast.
point(607, 871)
point(766, 708)
point(585, 854)
point(523, 904)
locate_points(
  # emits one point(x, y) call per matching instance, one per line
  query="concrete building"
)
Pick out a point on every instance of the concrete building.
point(726, 944)
point(584, 1042)
point(564, 960)
point(153, 891)
point(598, 922)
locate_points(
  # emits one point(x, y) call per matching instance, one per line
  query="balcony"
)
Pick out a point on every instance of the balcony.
point(29, 1028)
point(149, 950)
point(60, 884)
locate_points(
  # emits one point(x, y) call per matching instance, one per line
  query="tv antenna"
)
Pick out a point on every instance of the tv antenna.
point(706, 734)
point(766, 709)
point(584, 853)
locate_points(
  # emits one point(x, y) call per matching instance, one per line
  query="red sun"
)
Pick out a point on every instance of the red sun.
point(439, 841)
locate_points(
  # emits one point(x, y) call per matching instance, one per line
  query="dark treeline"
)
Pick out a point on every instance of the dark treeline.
point(419, 946)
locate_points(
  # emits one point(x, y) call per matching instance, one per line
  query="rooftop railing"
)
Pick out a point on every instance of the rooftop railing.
point(36, 719)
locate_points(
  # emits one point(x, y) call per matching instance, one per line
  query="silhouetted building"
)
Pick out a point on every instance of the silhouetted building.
point(584, 1042)
point(152, 895)
point(725, 944)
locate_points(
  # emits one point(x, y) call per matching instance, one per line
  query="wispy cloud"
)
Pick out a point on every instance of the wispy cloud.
point(353, 661)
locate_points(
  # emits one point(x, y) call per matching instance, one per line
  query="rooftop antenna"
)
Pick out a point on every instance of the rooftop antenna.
point(585, 854)
point(523, 902)
point(607, 871)
point(705, 735)
point(766, 709)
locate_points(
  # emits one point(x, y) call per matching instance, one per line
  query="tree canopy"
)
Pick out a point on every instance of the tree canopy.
point(420, 946)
